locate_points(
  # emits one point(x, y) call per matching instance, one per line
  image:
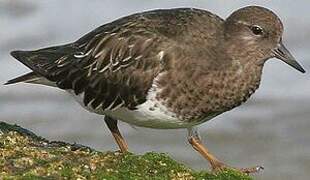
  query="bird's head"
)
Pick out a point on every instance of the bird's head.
point(256, 32)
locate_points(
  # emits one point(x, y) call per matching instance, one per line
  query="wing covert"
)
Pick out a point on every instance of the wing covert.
point(111, 69)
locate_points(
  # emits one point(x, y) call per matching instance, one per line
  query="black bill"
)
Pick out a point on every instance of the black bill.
point(283, 54)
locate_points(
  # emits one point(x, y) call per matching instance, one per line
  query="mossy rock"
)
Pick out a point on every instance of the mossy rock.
point(27, 156)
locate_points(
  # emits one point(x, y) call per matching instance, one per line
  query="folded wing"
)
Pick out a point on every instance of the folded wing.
point(111, 68)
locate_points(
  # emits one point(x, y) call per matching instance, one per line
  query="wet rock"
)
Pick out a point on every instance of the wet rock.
point(28, 156)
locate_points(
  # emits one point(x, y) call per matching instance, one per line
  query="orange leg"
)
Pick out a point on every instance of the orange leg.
point(216, 164)
point(112, 125)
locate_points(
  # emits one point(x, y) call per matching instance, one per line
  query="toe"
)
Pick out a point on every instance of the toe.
point(220, 166)
point(255, 169)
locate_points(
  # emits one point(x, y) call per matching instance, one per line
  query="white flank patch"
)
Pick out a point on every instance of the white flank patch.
point(152, 113)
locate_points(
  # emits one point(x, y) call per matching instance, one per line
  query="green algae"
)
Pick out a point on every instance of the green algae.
point(27, 156)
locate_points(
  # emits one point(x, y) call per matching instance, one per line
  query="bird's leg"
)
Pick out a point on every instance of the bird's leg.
point(194, 140)
point(217, 165)
point(112, 125)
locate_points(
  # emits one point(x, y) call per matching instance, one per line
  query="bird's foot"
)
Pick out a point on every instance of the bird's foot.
point(219, 166)
point(255, 169)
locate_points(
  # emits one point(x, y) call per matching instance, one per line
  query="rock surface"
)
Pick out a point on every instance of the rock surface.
point(25, 155)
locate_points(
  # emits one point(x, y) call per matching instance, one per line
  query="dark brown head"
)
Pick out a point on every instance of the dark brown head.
point(257, 32)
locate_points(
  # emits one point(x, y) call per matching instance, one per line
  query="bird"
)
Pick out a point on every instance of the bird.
point(164, 68)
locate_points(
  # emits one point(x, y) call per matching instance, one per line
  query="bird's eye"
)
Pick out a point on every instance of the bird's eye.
point(256, 30)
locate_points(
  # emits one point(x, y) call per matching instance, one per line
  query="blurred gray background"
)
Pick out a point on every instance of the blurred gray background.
point(271, 129)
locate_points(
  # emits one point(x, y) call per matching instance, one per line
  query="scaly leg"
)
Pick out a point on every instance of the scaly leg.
point(194, 140)
point(112, 125)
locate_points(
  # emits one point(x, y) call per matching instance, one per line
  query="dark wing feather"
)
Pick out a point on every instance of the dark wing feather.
point(112, 68)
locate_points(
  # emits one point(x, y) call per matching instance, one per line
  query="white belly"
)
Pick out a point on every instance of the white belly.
point(151, 114)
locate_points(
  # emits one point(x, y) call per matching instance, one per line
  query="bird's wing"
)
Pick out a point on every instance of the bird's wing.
point(113, 69)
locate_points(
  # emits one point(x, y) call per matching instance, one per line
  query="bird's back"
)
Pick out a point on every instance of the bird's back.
point(120, 55)
point(176, 24)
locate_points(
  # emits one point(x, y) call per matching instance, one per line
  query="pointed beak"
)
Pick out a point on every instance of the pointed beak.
point(283, 54)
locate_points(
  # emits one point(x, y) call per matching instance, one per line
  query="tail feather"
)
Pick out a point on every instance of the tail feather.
point(29, 77)
point(42, 63)
point(33, 78)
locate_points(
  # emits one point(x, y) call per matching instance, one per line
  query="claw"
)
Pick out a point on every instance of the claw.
point(259, 168)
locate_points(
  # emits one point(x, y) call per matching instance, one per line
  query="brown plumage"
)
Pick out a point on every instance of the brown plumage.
point(164, 68)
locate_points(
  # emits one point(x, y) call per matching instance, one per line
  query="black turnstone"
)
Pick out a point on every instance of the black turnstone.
point(170, 68)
